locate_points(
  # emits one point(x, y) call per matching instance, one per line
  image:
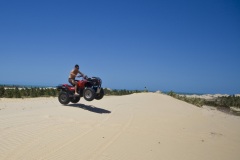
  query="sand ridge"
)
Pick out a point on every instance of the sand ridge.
point(138, 126)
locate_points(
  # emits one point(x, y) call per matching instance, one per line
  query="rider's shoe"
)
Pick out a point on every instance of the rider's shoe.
point(76, 94)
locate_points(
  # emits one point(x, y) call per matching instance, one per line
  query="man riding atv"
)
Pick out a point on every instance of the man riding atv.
point(72, 76)
point(89, 87)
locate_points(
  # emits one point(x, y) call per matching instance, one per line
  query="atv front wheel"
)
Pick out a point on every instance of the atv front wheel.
point(63, 98)
point(100, 95)
point(89, 94)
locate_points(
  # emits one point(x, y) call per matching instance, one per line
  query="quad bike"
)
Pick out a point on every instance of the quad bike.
point(89, 88)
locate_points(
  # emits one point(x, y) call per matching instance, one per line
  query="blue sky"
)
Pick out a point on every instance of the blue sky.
point(184, 46)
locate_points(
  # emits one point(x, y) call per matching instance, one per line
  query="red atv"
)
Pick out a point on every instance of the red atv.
point(89, 88)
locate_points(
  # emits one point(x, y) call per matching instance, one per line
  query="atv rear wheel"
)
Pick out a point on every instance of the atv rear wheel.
point(63, 98)
point(75, 99)
point(89, 94)
point(100, 95)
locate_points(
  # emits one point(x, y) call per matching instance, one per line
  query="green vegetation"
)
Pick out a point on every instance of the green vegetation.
point(26, 92)
point(225, 101)
point(120, 92)
point(16, 92)
point(195, 101)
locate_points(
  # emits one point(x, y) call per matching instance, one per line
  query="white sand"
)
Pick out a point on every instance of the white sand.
point(145, 126)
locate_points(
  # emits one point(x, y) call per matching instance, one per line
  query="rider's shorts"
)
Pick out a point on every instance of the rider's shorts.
point(71, 81)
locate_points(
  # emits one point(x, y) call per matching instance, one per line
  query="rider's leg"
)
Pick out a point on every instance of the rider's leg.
point(76, 88)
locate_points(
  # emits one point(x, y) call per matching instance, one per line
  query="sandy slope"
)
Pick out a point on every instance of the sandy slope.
point(136, 127)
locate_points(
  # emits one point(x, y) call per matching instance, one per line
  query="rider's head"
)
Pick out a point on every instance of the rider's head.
point(76, 66)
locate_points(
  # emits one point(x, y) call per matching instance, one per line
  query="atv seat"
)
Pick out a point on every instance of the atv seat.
point(70, 87)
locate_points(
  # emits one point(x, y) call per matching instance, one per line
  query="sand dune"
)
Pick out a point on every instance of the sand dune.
point(144, 126)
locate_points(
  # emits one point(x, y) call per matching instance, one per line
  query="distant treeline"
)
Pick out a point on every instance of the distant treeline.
point(225, 101)
point(25, 92)
point(16, 92)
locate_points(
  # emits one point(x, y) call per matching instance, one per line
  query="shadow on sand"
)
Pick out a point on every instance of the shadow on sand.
point(90, 108)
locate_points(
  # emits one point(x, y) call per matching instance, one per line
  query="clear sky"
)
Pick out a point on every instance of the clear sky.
point(179, 45)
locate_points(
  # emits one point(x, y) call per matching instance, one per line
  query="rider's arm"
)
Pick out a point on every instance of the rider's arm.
point(81, 73)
